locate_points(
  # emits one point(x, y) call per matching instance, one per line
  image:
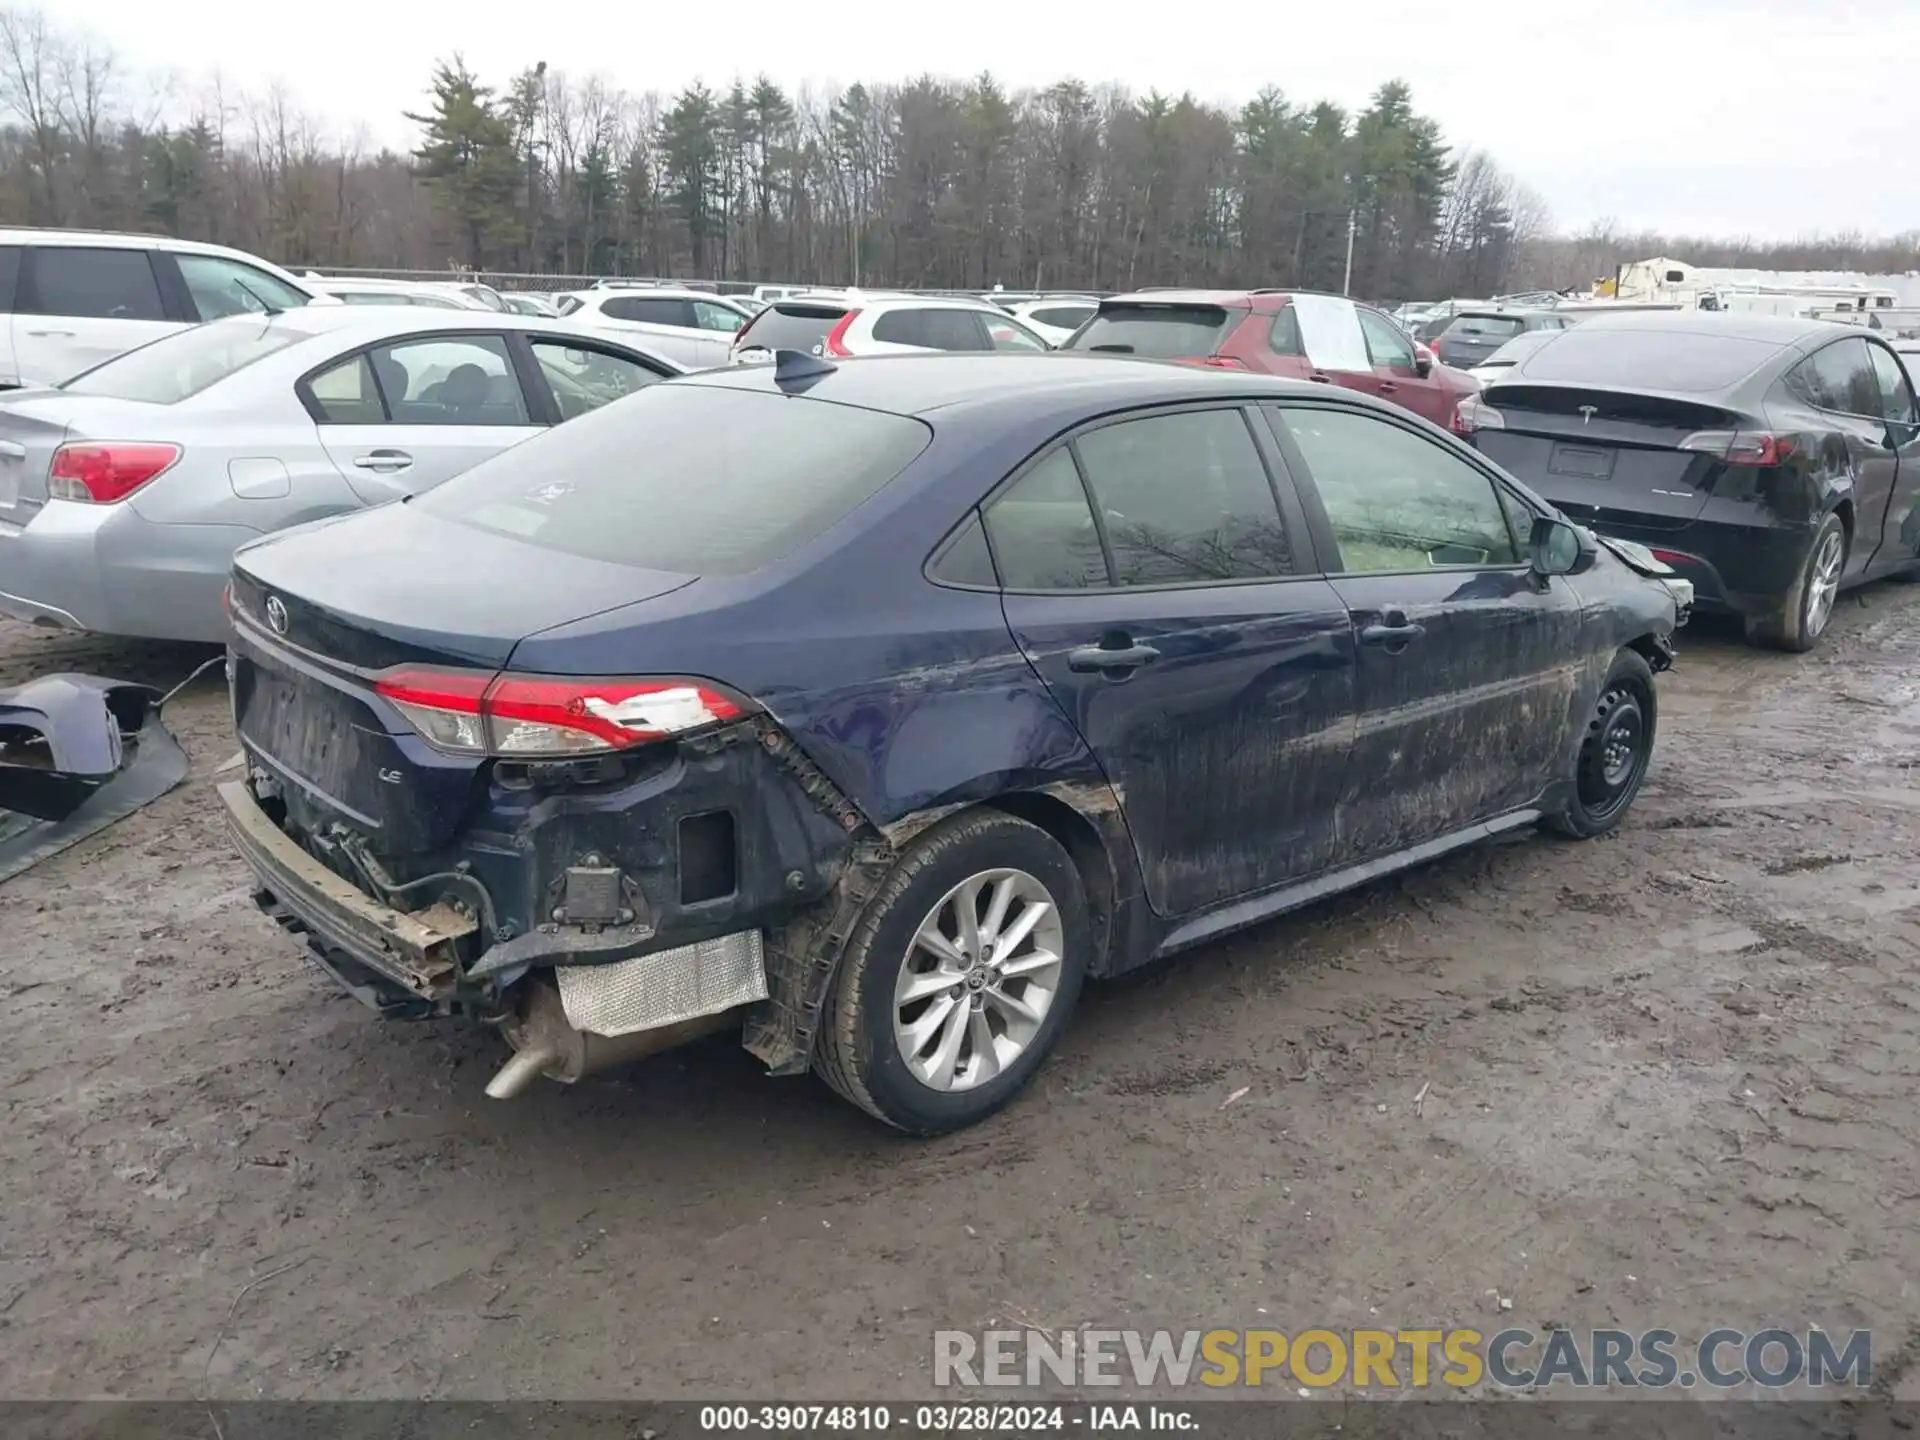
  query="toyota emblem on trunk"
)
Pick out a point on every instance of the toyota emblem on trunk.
point(276, 615)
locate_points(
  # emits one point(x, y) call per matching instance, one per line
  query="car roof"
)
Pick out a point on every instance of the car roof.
point(1784, 330)
point(359, 324)
point(114, 240)
point(646, 292)
point(945, 381)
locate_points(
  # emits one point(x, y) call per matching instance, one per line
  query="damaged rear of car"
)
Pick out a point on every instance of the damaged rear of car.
point(820, 703)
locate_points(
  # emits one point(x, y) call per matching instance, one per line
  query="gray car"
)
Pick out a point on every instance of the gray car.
point(1475, 334)
point(125, 491)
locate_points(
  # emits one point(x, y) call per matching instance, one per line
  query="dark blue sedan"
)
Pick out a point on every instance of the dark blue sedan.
point(865, 711)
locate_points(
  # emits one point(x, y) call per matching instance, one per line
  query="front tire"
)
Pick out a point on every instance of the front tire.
point(960, 976)
point(1614, 751)
point(1803, 619)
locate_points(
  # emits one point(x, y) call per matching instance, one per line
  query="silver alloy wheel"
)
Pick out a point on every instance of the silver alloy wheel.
point(978, 983)
point(1823, 582)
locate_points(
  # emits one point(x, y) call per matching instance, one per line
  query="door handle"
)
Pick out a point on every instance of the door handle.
point(13, 450)
point(51, 334)
point(1392, 630)
point(1094, 659)
point(1320, 377)
point(1387, 387)
point(383, 461)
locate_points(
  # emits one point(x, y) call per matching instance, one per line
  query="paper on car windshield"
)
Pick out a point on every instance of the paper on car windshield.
point(1330, 329)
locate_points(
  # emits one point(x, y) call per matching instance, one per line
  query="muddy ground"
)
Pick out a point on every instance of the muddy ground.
point(1669, 1080)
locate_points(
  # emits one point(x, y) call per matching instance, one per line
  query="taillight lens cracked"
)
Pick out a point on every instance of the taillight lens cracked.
point(536, 717)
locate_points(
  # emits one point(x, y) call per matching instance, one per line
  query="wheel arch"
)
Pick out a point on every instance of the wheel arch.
point(1089, 850)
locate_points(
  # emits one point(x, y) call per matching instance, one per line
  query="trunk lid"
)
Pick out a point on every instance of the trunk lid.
point(321, 611)
point(1606, 455)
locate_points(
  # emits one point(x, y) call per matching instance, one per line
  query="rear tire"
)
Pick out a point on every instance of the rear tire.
point(933, 1023)
point(1614, 752)
point(1808, 607)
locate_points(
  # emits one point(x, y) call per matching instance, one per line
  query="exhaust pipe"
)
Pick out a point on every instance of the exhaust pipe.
point(546, 1043)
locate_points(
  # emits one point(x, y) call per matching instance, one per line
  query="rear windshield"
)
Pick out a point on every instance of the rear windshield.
point(787, 326)
point(702, 480)
point(1160, 332)
point(186, 362)
point(1649, 359)
point(1485, 327)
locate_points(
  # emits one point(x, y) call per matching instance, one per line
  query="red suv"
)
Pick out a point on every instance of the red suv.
point(1295, 333)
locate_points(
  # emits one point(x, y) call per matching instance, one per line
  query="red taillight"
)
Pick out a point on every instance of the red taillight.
point(1741, 447)
point(1672, 557)
point(835, 343)
point(1473, 413)
point(535, 717)
point(97, 472)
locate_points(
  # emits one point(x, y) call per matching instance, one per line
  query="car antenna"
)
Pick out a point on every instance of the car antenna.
point(792, 367)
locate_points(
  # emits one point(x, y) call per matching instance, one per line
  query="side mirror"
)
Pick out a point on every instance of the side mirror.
point(1560, 548)
point(1422, 360)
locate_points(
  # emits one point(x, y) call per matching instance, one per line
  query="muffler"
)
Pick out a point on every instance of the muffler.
point(546, 1043)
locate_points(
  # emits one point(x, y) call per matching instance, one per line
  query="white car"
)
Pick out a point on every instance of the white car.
point(847, 323)
point(358, 291)
point(1055, 317)
point(690, 326)
point(73, 299)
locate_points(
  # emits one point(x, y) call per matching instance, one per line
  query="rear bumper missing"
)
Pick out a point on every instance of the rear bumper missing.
point(419, 953)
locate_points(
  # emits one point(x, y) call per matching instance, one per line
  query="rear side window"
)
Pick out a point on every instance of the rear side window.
point(1043, 533)
point(1185, 498)
point(186, 362)
point(1161, 332)
point(1651, 358)
point(1397, 501)
point(967, 561)
point(9, 276)
point(103, 284)
point(1283, 336)
point(787, 326)
point(450, 380)
point(1838, 377)
point(685, 478)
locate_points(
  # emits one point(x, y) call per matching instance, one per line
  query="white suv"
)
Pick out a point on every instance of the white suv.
point(690, 326)
point(73, 299)
point(845, 323)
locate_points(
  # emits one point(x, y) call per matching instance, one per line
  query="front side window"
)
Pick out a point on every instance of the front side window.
point(1185, 499)
point(584, 378)
point(1385, 344)
point(222, 287)
point(724, 318)
point(1043, 533)
point(1397, 501)
point(1007, 335)
point(1896, 393)
point(102, 284)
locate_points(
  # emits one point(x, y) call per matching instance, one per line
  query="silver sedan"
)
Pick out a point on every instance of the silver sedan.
point(125, 491)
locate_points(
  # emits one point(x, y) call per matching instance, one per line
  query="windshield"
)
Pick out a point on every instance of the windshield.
point(1161, 332)
point(687, 478)
point(183, 364)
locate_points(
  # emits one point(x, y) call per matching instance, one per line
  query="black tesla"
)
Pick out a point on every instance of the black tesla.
point(1771, 461)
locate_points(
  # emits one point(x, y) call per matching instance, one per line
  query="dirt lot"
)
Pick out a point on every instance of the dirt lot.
point(1670, 1080)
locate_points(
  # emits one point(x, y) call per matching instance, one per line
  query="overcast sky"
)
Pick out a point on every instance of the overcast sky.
point(1773, 118)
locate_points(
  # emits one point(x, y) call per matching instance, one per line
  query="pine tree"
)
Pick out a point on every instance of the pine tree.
point(468, 158)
